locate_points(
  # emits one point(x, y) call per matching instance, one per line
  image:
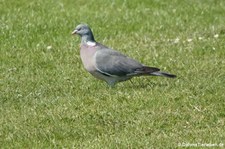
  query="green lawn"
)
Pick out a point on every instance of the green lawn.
point(48, 100)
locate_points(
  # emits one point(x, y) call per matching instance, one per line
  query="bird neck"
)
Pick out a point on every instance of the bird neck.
point(87, 38)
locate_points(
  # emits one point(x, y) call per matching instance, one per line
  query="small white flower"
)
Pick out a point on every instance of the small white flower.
point(200, 38)
point(189, 40)
point(216, 36)
point(176, 40)
point(49, 47)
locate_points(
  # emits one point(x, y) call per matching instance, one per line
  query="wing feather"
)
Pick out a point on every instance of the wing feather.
point(113, 63)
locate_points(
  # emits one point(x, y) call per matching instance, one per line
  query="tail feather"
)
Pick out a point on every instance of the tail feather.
point(164, 74)
point(145, 70)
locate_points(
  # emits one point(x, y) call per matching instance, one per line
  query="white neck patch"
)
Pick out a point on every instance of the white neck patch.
point(90, 43)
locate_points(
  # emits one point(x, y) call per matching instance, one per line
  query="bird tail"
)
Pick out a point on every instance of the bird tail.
point(145, 70)
point(163, 74)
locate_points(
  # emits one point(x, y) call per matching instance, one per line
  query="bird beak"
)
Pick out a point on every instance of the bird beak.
point(74, 32)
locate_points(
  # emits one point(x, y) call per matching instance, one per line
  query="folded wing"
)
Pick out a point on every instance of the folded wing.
point(113, 63)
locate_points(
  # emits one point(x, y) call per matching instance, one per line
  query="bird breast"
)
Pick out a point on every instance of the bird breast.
point(87, 56)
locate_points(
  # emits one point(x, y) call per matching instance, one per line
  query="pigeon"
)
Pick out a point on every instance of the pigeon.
point(110, 65)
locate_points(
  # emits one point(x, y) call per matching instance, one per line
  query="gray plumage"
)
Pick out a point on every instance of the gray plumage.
point(107, 64)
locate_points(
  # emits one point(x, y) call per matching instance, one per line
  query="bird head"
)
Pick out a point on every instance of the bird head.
point(81, 30)
point(84, 31)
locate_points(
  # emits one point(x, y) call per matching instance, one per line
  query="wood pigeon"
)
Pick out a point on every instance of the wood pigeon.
point(110, 65)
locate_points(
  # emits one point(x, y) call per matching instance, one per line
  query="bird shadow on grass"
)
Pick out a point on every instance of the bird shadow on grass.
point(135, 83)
point(142, 83)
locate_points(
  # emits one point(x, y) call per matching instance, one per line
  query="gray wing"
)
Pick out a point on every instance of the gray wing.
point(111, 62)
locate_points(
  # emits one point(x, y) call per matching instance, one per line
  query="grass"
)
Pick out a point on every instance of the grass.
point(48, 100)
